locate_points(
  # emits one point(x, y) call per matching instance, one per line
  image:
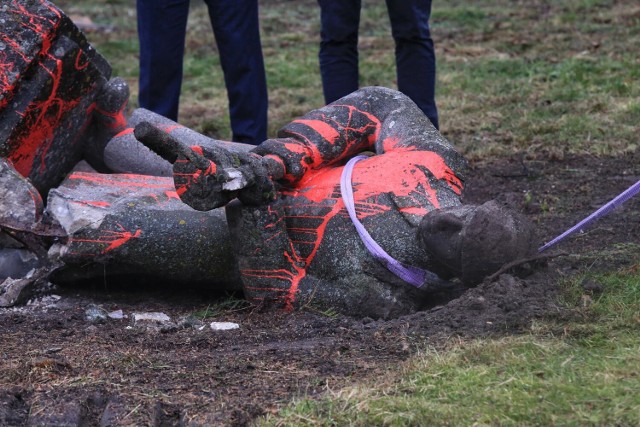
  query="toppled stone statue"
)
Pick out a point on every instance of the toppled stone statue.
point(287, 202)
point(302, 219)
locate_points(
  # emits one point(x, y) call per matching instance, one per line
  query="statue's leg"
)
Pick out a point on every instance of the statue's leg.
point(135, 225)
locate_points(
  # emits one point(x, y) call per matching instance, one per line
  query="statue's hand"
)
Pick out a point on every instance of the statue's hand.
point(209, 177)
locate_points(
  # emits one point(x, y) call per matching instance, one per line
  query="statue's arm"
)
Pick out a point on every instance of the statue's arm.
point(371, 119)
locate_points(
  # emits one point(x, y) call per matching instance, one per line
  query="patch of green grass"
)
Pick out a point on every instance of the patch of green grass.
point(630, 112)
point(577, 10)
point(620, 304)
point(572, 103)
point(467, 16)
point(588, 77)
point(578, 373)
point(296, 70)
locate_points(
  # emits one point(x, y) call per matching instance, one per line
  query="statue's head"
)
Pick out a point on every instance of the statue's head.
point(473, 241)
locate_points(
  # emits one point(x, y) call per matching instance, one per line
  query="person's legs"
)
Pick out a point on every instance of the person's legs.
point(161, 32)
point(237, 31)
point(339, 47)
point(415, 55)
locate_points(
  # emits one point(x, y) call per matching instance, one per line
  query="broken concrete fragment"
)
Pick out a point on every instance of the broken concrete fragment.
point(17, 291)
point(223, 326)
point(95, 314)
point(116, 314)
point(20, 202)
point(151, 317)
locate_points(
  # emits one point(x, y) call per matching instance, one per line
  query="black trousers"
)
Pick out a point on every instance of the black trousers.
point(162, 30)
point(414, 52)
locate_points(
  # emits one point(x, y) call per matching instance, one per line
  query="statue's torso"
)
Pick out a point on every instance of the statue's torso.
point(304, 246)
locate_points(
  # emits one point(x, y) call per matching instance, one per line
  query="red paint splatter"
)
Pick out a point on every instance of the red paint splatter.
point(112, 238)
point(324, 129)
point(82, 61)
point(124, 180)
point(310, 135)
point(172, 127)
point(124, 132)
point(42, 118)
point(96, 203)
point(115, 120)
point(185, 180)
point(31, 23)
point(297, 258)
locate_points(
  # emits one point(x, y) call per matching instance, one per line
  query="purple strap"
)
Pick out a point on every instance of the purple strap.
point(412, 275)
point(604, 210)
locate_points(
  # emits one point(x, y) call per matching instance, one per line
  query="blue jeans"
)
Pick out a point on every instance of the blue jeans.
point(162, 30)
point(415, 55)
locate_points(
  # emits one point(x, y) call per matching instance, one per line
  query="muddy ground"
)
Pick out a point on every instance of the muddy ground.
point(57, 367)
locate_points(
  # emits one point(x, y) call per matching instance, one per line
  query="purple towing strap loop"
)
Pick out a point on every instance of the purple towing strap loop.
point(412, 275)
point(604, 210)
